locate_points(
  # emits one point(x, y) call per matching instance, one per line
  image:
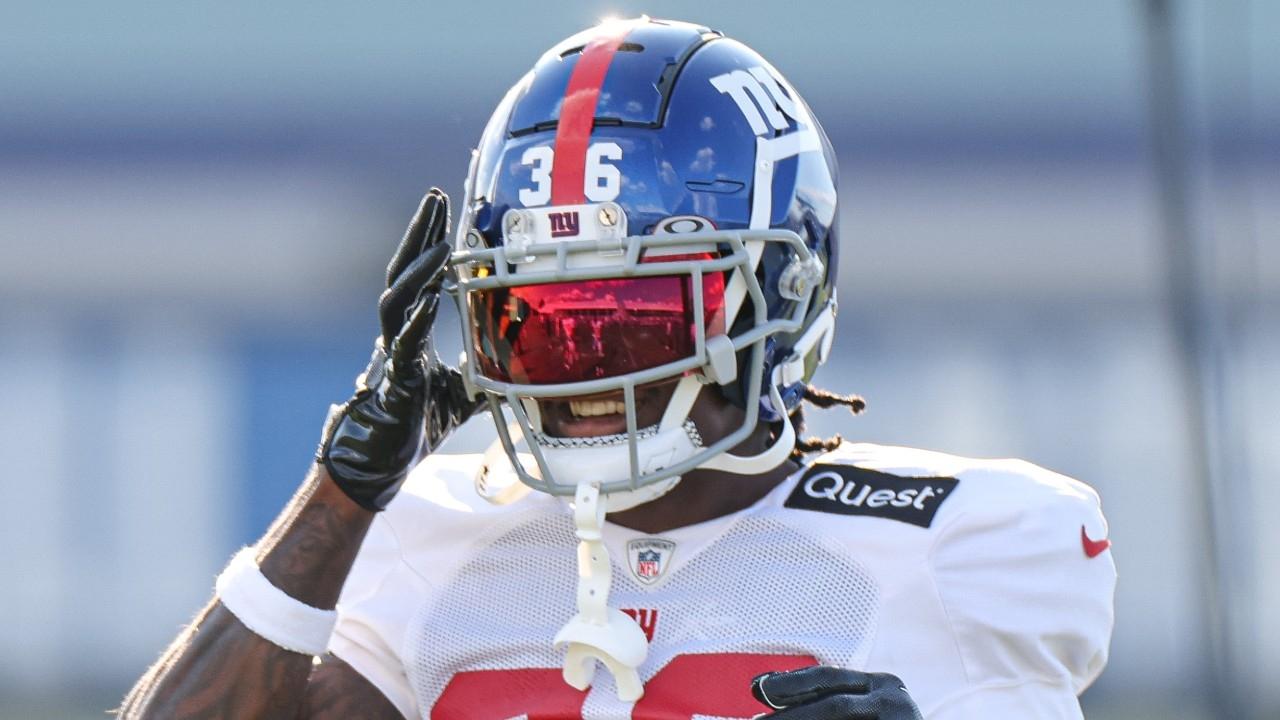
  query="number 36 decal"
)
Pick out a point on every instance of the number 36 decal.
point(601, 181)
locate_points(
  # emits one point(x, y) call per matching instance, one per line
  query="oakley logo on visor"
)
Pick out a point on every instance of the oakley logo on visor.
point(683, 224)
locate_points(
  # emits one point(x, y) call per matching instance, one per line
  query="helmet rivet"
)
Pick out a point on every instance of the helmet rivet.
point(608, 216)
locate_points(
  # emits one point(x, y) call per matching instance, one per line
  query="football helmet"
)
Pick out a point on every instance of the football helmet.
point(653, 204)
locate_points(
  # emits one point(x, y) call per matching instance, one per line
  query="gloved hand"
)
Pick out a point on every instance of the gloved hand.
point(822, 692)
point(406, 397)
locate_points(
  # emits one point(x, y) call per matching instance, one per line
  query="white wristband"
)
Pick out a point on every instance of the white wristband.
point(270, 612)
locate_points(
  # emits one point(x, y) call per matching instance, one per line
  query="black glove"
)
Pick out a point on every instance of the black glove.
point(406, 396)
point(822, 692)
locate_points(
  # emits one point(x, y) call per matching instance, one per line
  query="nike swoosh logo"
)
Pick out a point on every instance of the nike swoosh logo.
point(1093, 548)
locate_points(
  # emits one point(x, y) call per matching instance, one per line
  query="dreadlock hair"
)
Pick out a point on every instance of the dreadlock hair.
point(823, 399)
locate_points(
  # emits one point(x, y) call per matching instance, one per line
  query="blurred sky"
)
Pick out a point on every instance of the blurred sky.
point(196, 201)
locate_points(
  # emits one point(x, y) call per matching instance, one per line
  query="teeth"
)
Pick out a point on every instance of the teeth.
point(592, 408)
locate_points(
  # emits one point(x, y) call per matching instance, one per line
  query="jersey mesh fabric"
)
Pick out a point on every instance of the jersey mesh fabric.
point(762, 586)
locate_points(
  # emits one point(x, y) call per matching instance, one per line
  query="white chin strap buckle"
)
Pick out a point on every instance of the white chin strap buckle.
point(599, 632)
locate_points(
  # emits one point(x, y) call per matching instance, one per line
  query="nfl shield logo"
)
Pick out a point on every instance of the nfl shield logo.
point(650, 558)
point(647, 564)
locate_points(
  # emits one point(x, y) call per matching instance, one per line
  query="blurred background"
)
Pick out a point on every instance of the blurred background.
point(1061, 242)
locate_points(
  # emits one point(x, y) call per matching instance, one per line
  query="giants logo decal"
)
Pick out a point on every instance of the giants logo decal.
point(564, 224)
point(767, 102)
point(760, 98)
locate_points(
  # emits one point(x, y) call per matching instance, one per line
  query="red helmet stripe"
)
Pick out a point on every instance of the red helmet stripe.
point(578, 113)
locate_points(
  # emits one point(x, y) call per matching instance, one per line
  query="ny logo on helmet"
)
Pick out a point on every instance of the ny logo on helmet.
point(564, 224)
point(760, 97)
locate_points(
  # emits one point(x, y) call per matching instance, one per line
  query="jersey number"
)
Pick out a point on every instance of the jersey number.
point(600, 183)
point(717, 684)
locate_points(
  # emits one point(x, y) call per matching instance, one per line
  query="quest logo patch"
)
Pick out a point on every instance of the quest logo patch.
point(849, 490)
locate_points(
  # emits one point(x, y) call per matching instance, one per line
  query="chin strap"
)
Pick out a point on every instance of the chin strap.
point(765, 461)
point(496, 480)
point(599, 632)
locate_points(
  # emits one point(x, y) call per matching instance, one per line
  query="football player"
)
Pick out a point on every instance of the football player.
point(645, 269)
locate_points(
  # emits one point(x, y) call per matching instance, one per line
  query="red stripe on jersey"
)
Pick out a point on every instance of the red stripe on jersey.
point(578, 114)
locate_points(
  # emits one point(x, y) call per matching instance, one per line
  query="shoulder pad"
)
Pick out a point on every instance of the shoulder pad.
point(448, 482)
point(915, 486)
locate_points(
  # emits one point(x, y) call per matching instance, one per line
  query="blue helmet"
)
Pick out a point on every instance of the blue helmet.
point(652, 203)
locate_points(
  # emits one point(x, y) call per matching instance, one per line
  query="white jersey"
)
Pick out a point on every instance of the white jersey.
point(986, 585)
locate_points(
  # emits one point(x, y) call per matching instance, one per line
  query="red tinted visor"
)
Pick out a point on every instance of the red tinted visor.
point(590, 329)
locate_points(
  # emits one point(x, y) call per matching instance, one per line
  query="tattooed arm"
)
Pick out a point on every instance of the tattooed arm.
point(218, 668)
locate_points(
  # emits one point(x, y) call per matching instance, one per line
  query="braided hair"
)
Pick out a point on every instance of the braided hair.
point(823, 399)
